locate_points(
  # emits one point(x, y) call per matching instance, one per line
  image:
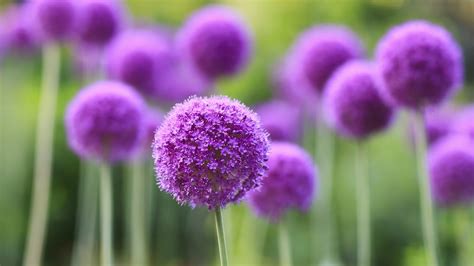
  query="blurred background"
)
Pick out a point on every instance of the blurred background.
point(180, 235)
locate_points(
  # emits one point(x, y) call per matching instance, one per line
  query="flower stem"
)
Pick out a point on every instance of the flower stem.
point(221, 237)
point(106, 215)
point(284, 245)
point(427, 217)
point(43, 156)
point(363, 206)
point(137, 215)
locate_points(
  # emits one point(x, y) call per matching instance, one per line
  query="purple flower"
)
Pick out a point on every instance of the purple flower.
point(216, 41)
point(451, 168)
point(210, 152)
point(419, 63)
point(153, 120)
point(438, 124)
point(288, 183)
point(352, 101)
point(99, 21)
point(464, 122)
point(54, 19)
point(105, 121)
point(282, 120)
point(137, 57)
point(319, 51)
point(17, 30)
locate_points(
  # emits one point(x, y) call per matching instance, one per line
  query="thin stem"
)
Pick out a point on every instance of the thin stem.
point(221, 237)
point(137, 215)
point(106, 215)
point(43, 156)
point(427, 217)
point(363, 206)
point(284, 245)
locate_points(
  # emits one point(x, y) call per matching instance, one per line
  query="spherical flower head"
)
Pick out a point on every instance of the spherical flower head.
point(353, 104)
point(54, 19)
point(319, 51)
point(105, 122)
point(18, 31)
point(420, 64)
point(210, 152)
point(136, 57)
point(288, 183)
point(451, 168)
point(438, 124)
point(99, 21)
point(281, 119)
point(216, 40)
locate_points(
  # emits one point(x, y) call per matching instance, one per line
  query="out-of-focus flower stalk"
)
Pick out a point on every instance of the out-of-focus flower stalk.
point(284, 244)
point(363, 205)
point(106, 214)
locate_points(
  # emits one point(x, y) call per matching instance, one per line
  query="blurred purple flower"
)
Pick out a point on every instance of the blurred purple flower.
point(464, 122)
point(288, 183)
point(438, 124)
point(210, 152)
point(153, 120)
point(54, 19)
point(17, 30)
point(420, 64)
point(451, 168)
point(353, 104)
point(281, 119)
point(216, 41)
point(105, 121)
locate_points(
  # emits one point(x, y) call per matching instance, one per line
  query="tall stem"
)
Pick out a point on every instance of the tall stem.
point(284, 245)
point(363, 206)
point(427, 217)
point(43, 156)
point(137, 215)
point(221, 237)
point(106, 215)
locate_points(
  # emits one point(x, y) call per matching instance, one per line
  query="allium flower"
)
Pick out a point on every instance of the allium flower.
point(282, 120)
point(288, 183)
point(54, 19)
point(137, 57)
point(464, 122)
point(216, 41)
point(105, 121)
point(210, 152)
point(319, 51)
point(451, 168)
point(353, 104)
point(438, 124)
point(99, 21)
point(17, 29)
point(420, 64)
point(153, 120)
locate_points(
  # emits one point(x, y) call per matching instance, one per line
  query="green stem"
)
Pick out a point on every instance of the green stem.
point(221, 237)
point(463, 229)
point(363, 206)
point(137, 215)
point(284, 245)
point(106, 215)
point(43, 156)
point(427, 216)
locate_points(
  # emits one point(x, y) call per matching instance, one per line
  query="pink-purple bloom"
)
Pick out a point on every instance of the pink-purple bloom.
point(216, 41)
point(288, 183)
point(17, 30)
point(353, 104)
point(451, 168)
point(281, 119)
point(210, 152)
point(464, 122)
point(105, 121)
point(438, 124)
point(54, 19)
point(420, 64)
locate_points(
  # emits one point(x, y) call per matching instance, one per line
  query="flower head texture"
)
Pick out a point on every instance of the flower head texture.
point(216, 41)
point(319, 51)
point(210, 152)
point(288, 183)
point(105, 121)
point(352, 101)
point(55, 20)
point(420, 64)
point(451, 168)
point(136, 57)
point(99, 21)
point(282, 120)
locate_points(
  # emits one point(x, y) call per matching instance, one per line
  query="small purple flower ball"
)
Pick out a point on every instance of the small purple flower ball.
point(54, 19)
point(99, 21)
point(281, 119)
point(217, 41)
point(420, 64)
point(319, 51)
point(451, 168)
point(288, 183)
point(210, 152)
point(352, 101)
point(136, 57)
point(105, 121)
